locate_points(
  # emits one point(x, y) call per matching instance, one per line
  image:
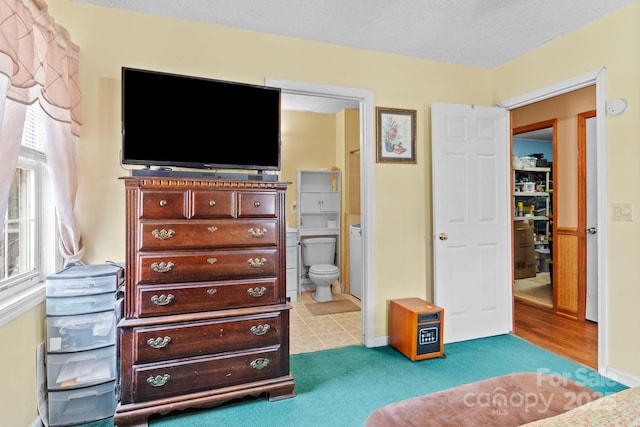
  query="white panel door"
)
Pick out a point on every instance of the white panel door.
point(471, 220)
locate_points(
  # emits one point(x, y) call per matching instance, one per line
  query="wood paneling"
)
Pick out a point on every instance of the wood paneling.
point(565, 270)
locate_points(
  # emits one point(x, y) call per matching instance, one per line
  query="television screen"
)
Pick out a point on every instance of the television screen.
point(176, 120)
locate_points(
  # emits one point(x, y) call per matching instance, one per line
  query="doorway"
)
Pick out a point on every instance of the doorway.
point(567, 302)
point(364, 98)
point(532, 150)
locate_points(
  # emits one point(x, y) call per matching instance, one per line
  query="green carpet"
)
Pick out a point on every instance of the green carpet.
point(341, 387)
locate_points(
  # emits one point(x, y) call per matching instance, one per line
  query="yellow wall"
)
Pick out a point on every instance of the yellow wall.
point(110, 39)
point(612, 42)
point(308, 143)
point(20, 338)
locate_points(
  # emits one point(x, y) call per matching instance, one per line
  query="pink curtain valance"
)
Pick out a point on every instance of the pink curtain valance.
point(40, 60)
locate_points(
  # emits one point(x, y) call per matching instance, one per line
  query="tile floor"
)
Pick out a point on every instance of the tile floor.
point(312, 333)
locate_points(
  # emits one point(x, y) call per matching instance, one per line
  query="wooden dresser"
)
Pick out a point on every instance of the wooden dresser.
point(205, 317)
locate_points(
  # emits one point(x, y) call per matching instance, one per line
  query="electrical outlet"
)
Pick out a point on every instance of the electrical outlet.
point(293, 207)
point(622, 212)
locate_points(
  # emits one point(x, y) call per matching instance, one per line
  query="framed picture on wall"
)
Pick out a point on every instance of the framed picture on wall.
point(395, 135)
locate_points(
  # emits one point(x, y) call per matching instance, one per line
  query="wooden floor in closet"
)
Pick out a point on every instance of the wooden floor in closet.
point(573, 339)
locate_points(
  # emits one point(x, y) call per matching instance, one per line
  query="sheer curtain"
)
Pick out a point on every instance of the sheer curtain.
point(39, 63)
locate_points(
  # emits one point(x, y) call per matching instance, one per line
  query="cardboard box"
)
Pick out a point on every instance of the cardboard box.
point(524, 254)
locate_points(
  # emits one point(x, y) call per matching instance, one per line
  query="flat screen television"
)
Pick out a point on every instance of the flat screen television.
point(192, 122)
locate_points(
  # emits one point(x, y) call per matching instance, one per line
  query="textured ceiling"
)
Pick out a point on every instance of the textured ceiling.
point(480, 33)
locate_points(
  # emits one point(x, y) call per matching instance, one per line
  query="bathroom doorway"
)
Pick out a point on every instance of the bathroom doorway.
point(364, 100)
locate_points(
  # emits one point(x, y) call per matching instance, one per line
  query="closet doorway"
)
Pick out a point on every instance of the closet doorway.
point(532, 166)
point(567, 231)
point(572, 226)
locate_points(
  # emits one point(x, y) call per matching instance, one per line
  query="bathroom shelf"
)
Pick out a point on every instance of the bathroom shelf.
point(318, 203)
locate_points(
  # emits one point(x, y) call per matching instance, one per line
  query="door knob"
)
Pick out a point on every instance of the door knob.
point(592, 230)
point(443, 236)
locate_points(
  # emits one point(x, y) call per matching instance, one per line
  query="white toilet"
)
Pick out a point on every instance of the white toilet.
point(318, 253)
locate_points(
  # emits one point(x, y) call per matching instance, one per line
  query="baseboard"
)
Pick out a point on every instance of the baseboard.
point(380, 341)
point(622, 377)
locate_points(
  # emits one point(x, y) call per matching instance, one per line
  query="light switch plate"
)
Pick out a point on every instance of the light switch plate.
point(622, 212)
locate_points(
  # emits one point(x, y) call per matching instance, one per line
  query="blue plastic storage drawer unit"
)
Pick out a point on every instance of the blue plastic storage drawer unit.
point(81, 332)
point(85, 280)
point(82, 405)
point(81, 304)
point(81, 368)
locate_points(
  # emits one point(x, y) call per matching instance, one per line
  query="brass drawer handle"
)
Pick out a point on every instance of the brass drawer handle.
point(256, 292)
point(212, 260)
point(212, 229)
point(163, 203)
point(257, 262)
point(158, 342)
point(159, 381)
point(257, 204)
point(162, 299)
point(163, 234)
point(259, 363)
point(260, 329)
point(257, 232)
point(212, 203)
point(162, 267)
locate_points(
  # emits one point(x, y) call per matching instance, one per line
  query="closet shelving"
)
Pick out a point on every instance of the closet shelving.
point(532, 191)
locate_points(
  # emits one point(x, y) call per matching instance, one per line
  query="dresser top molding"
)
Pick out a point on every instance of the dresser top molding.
point(220, 184)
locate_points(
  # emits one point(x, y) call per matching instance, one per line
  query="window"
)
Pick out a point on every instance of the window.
point(27, 250)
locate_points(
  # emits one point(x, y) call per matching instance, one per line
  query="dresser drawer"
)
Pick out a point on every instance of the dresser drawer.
point(208, 234)
point(161, 300)
point(186, 376)
point(174, 341)
point(257, 204)
point(163, 204)
point(213, 204)
point(199, 266)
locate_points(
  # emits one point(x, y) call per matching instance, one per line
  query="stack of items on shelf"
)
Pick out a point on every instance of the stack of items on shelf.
point(532, 189)
point(81, 357)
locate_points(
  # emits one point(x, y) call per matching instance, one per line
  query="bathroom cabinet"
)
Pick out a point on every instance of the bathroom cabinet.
point(205, 312)
point(318, 205)
point(319, 198)
point(292, 266)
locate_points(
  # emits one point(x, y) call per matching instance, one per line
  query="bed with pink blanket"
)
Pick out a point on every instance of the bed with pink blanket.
point(531, 399)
